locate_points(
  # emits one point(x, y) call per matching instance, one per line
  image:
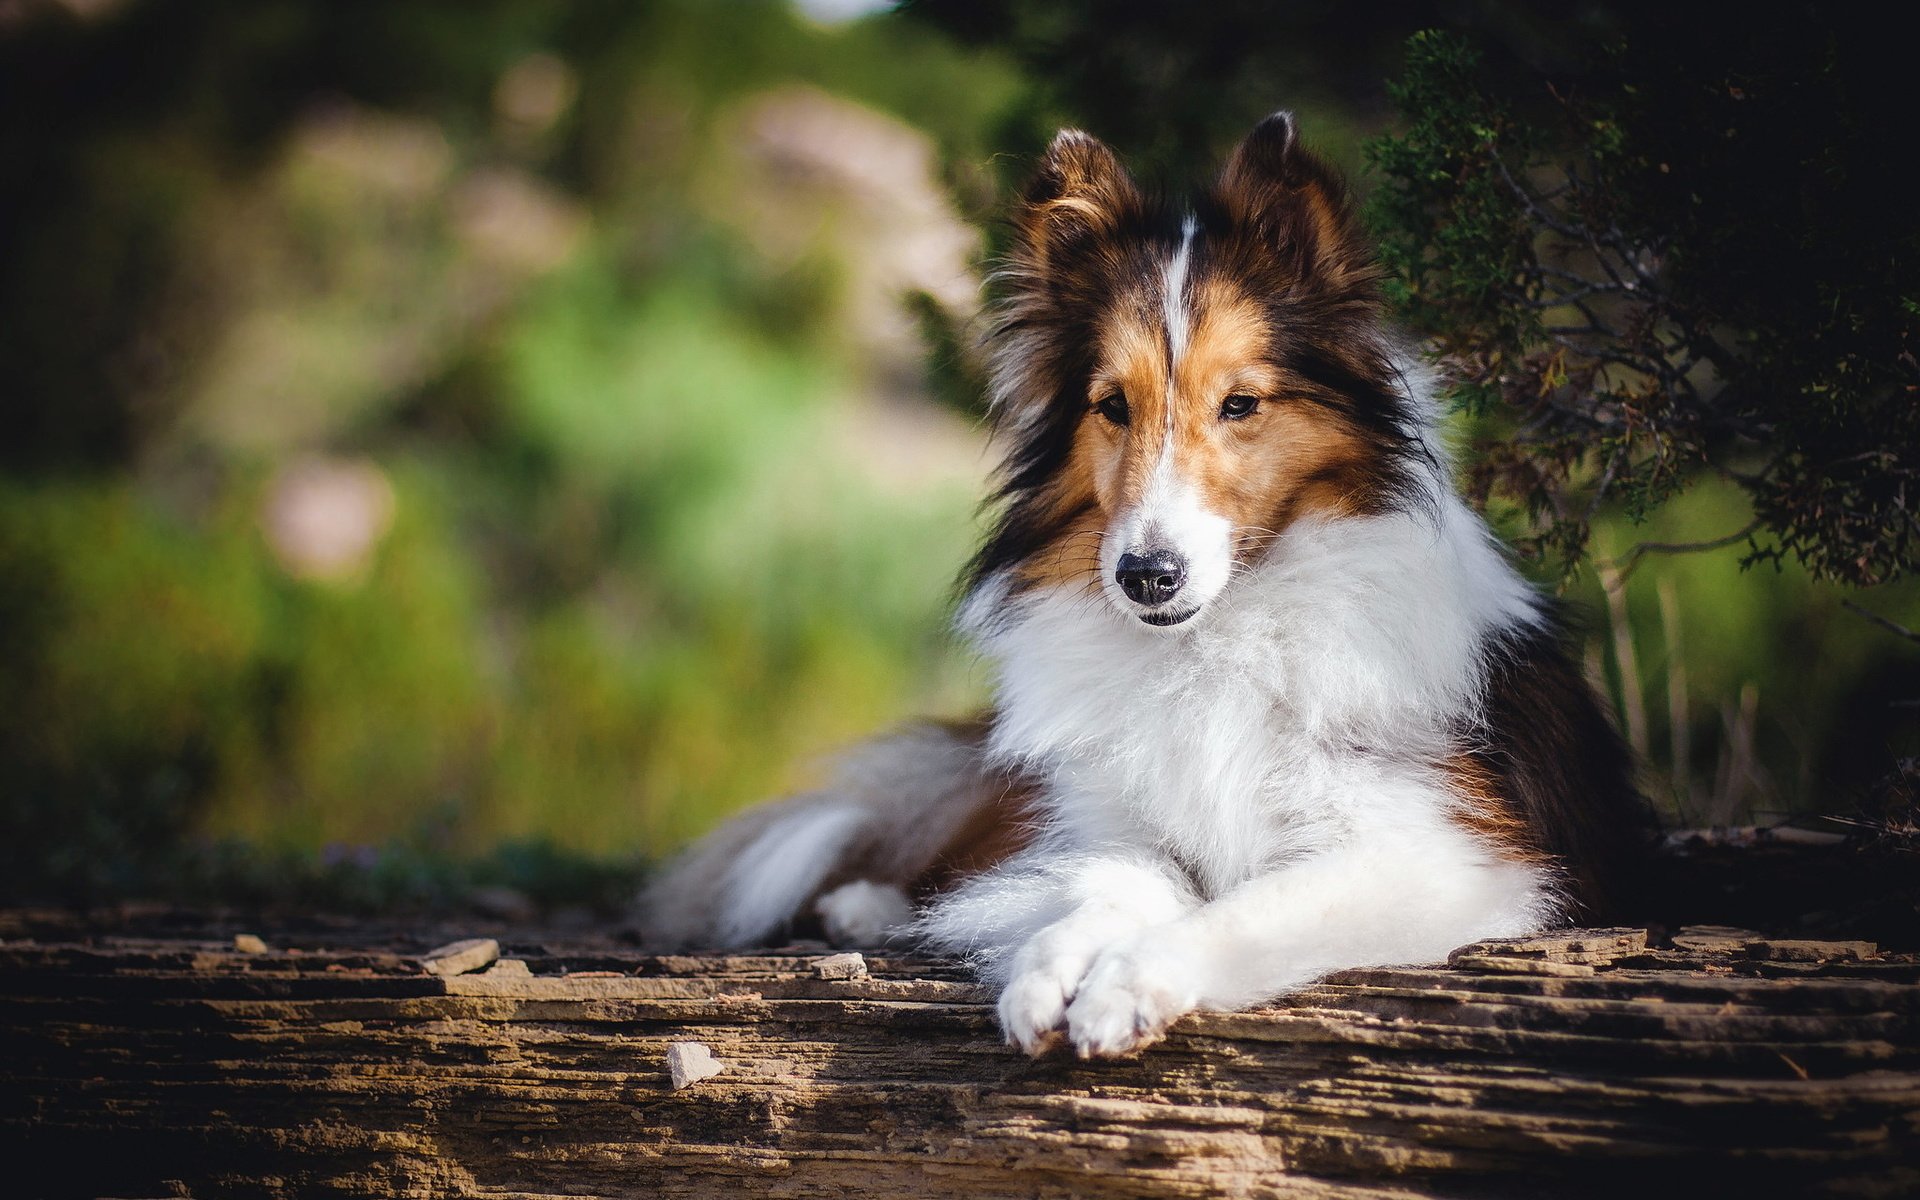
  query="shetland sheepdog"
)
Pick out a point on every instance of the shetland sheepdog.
point(1271, 700)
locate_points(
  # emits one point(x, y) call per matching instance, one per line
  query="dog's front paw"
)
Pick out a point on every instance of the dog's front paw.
point(1032, 1008)
point(1046, 972)
point(1128, 998)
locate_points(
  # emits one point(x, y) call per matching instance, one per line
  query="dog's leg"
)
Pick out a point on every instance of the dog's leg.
point(1036, 925)
point(1382, 897)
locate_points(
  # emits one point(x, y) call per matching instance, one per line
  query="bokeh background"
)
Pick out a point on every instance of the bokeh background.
point(461, 451)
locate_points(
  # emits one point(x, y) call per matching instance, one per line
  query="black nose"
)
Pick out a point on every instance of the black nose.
point(1151, 578)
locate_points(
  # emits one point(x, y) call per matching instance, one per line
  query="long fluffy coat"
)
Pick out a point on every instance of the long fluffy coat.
point(1271, 701)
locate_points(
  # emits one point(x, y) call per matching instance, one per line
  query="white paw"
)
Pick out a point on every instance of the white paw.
point(1031, 1010)
point(1128, 998)
point(1046, 972)
point(863, 913)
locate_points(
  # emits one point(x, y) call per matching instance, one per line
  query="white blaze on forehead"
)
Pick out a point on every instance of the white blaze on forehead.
point(1173, 299)
point(1173, 307)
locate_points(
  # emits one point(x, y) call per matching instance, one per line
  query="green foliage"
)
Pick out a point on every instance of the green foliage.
point(1688, 263)
point(1455, 232)
point(122, 633)
point(640, 569)
point(697, 571)
point(1789, 703)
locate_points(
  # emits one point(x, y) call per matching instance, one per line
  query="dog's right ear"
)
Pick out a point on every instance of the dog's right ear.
point(1080, 194)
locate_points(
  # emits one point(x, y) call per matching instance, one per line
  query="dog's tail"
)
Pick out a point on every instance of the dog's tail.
point(902, 817)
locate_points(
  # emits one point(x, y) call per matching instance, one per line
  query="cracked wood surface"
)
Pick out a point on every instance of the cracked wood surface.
point(328, 1059)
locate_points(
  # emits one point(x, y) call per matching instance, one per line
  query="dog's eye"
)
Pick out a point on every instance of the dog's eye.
point(1113, 408)
point(1238, 406)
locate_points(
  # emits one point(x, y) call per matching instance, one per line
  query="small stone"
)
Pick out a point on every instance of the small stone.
point(249, 943)
point(458, 958)
point(690, 1062)
point(509, 968)
point(851, 965)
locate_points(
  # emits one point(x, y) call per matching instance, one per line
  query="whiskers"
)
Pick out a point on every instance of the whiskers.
point(1076, 544)
point(1250, 545)
point(1075, 558)
point(1251, 542)
point(1091, 591)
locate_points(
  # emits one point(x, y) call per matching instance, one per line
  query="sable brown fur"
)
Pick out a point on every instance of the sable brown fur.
point(992, 808)
point(1000, 826)
point(1549, 777)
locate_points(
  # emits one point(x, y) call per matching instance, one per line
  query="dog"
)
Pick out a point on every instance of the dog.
point(1271, 699)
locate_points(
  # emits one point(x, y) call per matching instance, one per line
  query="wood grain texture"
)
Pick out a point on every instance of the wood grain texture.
point(334, 1064)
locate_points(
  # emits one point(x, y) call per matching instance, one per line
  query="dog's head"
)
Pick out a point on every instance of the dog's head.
point(1178, 384)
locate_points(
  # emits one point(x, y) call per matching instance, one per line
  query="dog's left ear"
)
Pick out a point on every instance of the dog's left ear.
point(1286, 195)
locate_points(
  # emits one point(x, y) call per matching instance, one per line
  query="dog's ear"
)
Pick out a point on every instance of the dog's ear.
point(1283, 194)
point(1080, 194)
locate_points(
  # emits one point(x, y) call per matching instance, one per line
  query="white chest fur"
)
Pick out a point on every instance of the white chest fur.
point(1352, 653)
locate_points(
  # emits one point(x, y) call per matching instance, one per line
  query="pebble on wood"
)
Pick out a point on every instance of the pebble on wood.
point(458, 958)
point(851, 965)
point(249, 943)
point(690, 1062)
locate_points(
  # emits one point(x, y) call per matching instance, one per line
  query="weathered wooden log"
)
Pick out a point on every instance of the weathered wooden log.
point(334, 1063)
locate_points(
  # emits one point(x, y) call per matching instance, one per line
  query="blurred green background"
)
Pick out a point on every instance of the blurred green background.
point(461, 445)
